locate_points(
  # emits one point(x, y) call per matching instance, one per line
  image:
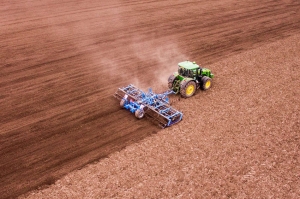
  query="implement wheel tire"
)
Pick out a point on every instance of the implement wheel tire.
point(139, 113)
point(122, 102)
point(187, 89)
point(205, 83)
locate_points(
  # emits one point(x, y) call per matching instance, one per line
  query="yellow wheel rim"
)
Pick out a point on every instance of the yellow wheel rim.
point(207, 84)
point(190, 89)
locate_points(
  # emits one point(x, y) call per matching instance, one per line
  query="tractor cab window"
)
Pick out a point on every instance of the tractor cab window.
point(186, 72)
point(181, 71)
point(199, 71)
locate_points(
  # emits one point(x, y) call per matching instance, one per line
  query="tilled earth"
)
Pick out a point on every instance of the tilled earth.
point(61, 61)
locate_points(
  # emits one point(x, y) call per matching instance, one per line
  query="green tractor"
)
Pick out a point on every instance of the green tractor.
point(190, 76)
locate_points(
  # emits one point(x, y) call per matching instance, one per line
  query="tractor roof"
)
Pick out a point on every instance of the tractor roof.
point(188, 65)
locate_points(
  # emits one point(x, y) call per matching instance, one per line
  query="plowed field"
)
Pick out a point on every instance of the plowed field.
point(61, 62)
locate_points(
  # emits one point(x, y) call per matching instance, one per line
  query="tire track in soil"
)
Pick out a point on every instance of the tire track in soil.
point(61, 67)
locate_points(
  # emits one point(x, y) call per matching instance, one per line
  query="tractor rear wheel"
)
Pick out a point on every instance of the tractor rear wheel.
point(205, 83)
point(139, 113)
point(171, 81)
point(187, 89)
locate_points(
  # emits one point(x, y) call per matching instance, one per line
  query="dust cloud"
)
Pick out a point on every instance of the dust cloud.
point(76, 29)
point(163, 56)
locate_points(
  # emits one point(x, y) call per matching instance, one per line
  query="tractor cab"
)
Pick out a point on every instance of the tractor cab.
point(189, 69)
point(189, 77)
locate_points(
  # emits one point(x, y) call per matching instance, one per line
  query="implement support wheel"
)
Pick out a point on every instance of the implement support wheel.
point(122, 102)
point(139, 113)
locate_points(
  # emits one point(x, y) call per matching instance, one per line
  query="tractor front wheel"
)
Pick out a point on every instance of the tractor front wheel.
point(188, 89)
point(205, 83)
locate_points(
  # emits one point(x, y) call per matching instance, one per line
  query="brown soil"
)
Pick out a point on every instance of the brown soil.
point(62, 61)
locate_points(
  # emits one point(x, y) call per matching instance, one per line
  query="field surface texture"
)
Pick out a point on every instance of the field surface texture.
point(64, 135)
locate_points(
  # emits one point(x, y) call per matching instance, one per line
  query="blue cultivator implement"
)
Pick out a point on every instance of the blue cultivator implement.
point(154, 106)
